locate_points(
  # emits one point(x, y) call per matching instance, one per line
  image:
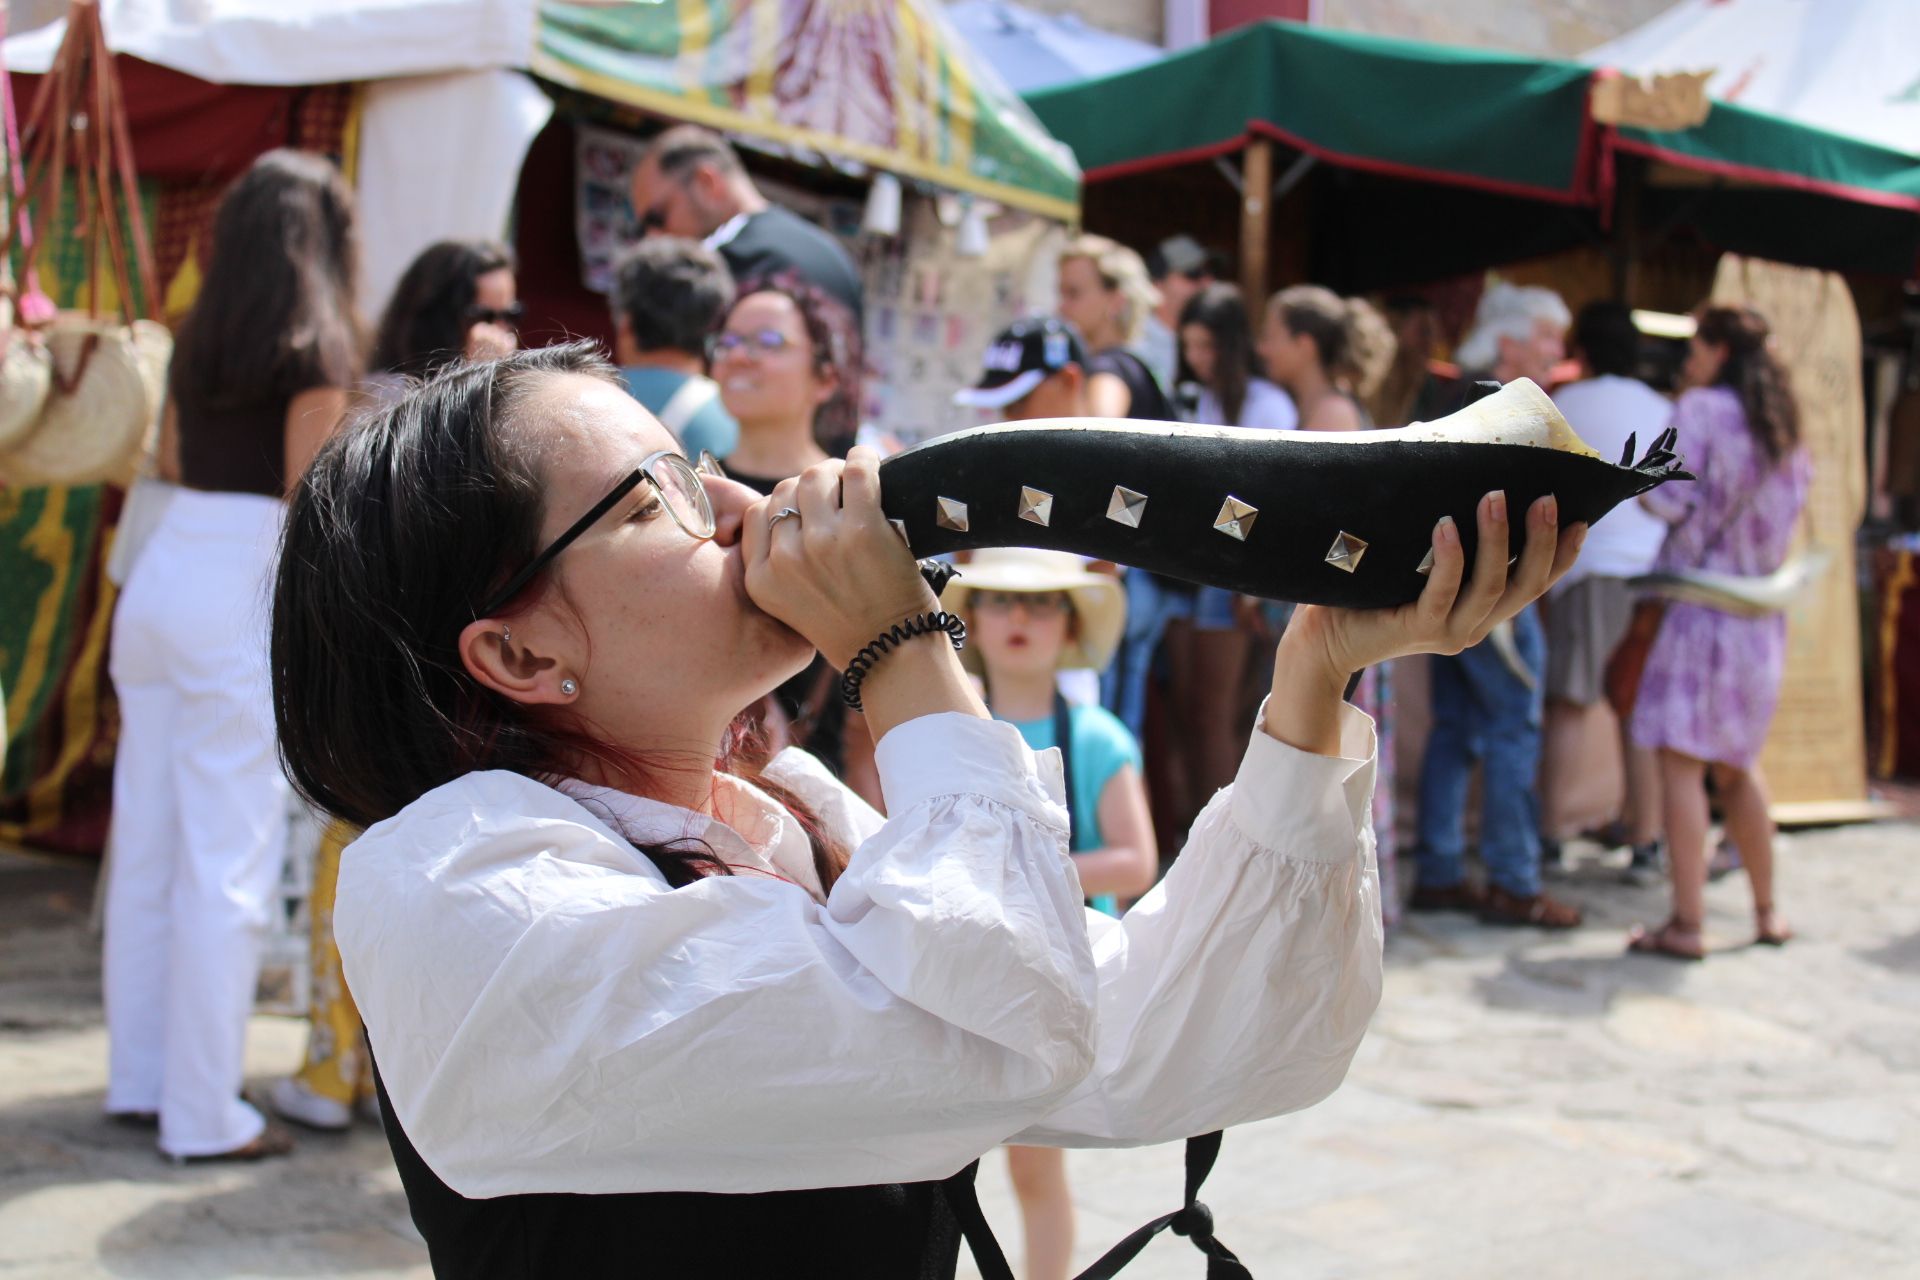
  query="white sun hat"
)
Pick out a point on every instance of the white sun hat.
point(1099, 602)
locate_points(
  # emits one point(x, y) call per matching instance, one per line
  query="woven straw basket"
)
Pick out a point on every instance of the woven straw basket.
point(97, 432)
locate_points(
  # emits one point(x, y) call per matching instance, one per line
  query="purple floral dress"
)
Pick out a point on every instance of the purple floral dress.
point(1712, 678)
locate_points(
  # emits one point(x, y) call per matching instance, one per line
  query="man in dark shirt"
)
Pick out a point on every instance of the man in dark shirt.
point(691, 183)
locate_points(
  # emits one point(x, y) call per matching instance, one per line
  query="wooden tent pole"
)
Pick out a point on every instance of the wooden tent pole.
point(1256, 207)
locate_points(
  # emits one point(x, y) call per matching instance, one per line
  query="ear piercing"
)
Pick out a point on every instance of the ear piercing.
point(506, 635)
point(569, 687)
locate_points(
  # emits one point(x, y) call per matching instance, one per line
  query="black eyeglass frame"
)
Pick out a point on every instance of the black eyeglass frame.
point(708, 465)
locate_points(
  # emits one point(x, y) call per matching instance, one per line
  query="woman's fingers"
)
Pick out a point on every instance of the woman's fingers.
point(819, 496)
point(1443, 579)
point(1476, 604)
point(860, 483)
point(1566, 551)
point(1531, 575)
point(753, 532)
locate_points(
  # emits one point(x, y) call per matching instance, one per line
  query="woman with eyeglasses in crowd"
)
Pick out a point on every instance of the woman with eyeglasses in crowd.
point(786, 367)
point(784, 359)
point(605, 968)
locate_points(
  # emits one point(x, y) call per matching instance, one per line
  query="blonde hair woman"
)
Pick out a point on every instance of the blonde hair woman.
point(1329, 352)
point(1106, 294)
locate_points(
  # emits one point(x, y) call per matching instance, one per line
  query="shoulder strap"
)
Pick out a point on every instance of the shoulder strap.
point(692, 396)
point(1063, 739)
point(1192, 1220)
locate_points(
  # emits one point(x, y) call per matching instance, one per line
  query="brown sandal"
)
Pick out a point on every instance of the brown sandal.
point(1537, 910)
point(1665, 941)
point(274, 1140)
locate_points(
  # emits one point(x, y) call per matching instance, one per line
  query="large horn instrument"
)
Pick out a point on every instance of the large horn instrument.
point(1340, 518)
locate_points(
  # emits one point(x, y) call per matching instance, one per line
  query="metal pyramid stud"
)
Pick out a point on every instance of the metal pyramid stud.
point(1346, 551)
point(900, 527)
point(1426, 563)
point(1235, 518)
point(950, 513)
point(1126, 507)
point(1036, 505)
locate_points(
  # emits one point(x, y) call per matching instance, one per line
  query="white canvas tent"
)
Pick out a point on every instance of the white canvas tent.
point(447, 117)
point(1848, 66)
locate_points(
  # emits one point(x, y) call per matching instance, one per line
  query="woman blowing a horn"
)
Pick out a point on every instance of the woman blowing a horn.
point(601, 970)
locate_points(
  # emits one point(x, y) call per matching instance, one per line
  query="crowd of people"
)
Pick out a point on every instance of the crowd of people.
point(737, 329)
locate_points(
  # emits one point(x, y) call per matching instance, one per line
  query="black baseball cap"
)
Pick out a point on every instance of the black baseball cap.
point(1023, 355)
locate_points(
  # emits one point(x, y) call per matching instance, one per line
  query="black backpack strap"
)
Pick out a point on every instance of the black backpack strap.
point(964, 1200)
point(1194, 1221)
point(1063, 739)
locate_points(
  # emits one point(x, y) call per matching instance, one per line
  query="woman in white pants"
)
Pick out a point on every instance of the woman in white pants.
point(259, 379)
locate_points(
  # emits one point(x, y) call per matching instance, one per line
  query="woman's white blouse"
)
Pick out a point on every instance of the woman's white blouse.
point(549, 1015)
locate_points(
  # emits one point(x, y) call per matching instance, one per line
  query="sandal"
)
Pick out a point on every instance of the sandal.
point(274, 1140)
point(1667, 941)
point(1533, 910)
point(1769, 932)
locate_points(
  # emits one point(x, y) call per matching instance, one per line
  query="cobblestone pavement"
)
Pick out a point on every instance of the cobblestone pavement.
point(1525, 1106)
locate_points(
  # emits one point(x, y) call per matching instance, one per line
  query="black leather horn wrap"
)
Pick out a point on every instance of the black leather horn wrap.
point(1308, 490)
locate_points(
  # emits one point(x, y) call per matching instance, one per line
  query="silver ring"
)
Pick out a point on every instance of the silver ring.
point(782, 514)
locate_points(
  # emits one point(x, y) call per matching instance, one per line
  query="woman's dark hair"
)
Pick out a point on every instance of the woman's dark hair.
point(275, 315)
point(1355, 345)
point(1222, 311)
point(672, 293)
point(836, 351)
point(1753, 373)
point(1605, 337)
point(403, 525)
point(426, 322)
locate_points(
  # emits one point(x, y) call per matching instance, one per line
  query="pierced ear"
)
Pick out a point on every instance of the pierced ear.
point(509, 665)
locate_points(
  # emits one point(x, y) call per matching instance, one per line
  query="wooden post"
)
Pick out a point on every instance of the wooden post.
point(1256, 206)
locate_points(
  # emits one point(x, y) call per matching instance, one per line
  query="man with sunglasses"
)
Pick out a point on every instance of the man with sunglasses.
point(691, 183)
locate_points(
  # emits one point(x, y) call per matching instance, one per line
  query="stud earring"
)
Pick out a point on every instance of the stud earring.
point(569, 687)
point(506, 635)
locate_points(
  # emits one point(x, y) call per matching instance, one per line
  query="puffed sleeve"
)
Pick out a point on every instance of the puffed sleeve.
point(1239, 987)
point(549, 1016)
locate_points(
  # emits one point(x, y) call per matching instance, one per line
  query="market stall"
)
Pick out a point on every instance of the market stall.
point(1365, 163)
point(422, 107)
point(825, 101)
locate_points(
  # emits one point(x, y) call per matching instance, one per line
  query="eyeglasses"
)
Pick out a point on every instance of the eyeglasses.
point(508, 315)
point(1038, 604)
point(681, 491)
point(761, 342)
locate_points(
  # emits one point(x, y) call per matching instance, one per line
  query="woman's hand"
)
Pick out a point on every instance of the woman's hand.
point(837, 573)
point(1323, 646)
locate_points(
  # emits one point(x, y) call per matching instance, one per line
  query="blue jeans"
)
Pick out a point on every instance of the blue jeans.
point(1483, 711)
point(1123, 685)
